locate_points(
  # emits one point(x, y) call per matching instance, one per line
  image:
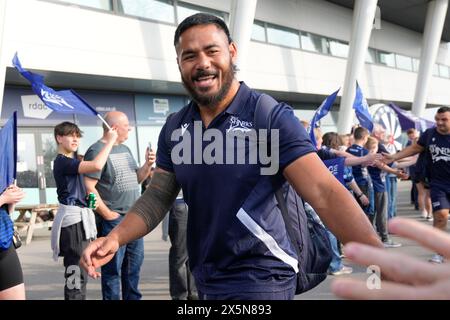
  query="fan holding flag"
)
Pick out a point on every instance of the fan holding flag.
point(11, 277)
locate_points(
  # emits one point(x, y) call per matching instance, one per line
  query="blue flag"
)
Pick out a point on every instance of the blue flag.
point(8, 152)
point(362, 110)
point(65, 101)
point(336, 167)
point(321, 112)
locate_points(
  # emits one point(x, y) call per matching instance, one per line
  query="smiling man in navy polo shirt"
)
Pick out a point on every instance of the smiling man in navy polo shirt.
point(238, 246)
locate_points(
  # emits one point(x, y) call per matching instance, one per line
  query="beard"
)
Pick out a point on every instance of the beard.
point(210, 100)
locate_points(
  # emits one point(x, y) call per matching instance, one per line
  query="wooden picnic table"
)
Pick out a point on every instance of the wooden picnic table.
point(36, 221)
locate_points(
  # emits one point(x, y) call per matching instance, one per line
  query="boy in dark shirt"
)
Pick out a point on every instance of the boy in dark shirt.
point(74, 225)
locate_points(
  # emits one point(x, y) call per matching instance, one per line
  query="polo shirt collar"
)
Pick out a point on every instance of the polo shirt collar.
point(236, 106)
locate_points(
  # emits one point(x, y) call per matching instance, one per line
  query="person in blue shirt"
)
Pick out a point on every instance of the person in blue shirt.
point(238, 249)
point(436, 143)
point(360, 173)
point(74, 224)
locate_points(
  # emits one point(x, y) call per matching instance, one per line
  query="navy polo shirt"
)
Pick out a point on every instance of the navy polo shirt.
point(236, 236)
point(359, 173)
point(438, 148)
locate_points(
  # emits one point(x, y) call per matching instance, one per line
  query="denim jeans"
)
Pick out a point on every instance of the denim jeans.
point(165, 227)
point(371, 210)
point(123, 269)
point(391, 189)
point(336, 260)
point(381, 215)
point(182, 284)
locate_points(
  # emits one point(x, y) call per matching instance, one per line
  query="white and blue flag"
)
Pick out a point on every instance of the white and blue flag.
point(321, 112)
point(64, 101)
point(362, 110)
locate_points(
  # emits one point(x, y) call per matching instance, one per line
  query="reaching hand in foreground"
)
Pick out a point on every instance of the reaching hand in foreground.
point(404, 277)
point(98, 253)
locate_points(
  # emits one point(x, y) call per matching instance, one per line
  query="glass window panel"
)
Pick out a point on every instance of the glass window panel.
point(338, 48)
point(386, 58)
point(443, 71)
point(311, 42)
point(185, 10)
point(403, 62)
point(50, 151)
point(371, 56)
point(258, 31)
point(416, 63)
point(147, 134)
point(98, 4)
point(151, 9)
point(283, 36)
point(435, 70)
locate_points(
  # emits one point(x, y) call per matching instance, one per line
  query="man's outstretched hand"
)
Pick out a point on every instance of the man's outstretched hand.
point(98, 253)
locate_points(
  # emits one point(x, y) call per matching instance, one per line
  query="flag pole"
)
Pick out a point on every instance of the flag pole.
point(106, 123)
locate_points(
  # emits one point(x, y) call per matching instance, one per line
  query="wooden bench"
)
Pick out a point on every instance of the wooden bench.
point(35, 222)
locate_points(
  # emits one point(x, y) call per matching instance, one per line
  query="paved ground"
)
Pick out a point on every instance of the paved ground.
point(44, 277)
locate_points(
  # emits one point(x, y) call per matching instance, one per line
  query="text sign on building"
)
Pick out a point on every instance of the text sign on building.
point(154, 109)
point(33, 107)
point(161, 106)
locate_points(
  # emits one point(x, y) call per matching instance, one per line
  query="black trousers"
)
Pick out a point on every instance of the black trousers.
point(181, 281)
point(72, 242)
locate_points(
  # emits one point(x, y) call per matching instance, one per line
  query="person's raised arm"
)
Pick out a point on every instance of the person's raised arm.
point(147, 212)
point(144, 171)
point(334, 204)
point(408, 151)
point(364, 161)
point(343, 154)
point(407, 162)
point(99, 161)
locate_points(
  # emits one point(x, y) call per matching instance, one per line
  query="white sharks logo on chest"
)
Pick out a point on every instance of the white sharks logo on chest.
point(439, 153)
point(239, 125)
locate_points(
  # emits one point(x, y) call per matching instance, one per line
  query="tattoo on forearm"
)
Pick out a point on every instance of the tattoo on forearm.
point(153, 205)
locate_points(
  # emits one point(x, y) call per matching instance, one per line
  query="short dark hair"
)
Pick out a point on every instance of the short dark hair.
point(67, 128)
point(331, 140)
point(411, 131)
point(360, 133)
point(197, 20)
point(443, 109)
